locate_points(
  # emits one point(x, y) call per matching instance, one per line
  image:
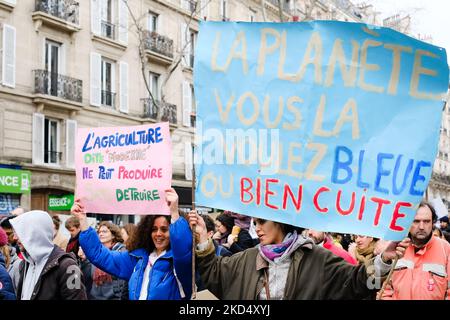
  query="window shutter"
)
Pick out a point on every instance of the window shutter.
point(62, 61)
point(9, 56)
point(149, 22)
point(123, 69)
point(159, 23)
point(187, 104)
point(113, 77)
point(204, 9)
point(38, 138)
point(71, 134)
point(96, 66)
point(188, 160)
point(123, 22)
point(95, 17)
point(221, 13)
point(185, 4)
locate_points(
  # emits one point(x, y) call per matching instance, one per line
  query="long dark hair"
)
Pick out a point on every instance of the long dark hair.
point(142, 238)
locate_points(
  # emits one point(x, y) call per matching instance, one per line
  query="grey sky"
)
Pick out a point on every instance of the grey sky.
point(429, 17)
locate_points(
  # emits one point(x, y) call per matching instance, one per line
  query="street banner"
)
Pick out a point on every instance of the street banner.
point(124, 170)
point(326, 125)
point(60, 203)
point(15, 181)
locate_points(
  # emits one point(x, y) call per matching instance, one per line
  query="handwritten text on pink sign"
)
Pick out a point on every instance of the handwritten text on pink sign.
point(124, 170)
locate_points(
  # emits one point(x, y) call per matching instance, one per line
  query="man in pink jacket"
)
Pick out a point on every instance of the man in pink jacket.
point(423, 272)
point(323, 239)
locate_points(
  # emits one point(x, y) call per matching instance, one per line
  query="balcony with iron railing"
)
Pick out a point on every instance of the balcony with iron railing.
point(159, 111)
point(109, 99)
point(108, 30)
point(52, 157)
point(58, 85)
point(62, 14)
point(159, 46)
point(284, 4)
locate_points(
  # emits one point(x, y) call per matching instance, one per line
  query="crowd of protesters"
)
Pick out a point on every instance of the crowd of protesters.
point(237, 257)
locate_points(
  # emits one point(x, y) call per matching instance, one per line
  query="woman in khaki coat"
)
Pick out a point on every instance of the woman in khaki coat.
point(287, 265)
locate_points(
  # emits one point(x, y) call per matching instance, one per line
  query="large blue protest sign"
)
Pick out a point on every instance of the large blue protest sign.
point(326, 125)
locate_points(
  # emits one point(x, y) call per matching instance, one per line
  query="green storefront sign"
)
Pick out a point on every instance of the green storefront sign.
point(63, 203)
point(14, 181)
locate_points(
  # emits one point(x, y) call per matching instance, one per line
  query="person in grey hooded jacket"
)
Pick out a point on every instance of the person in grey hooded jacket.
point(47, 272)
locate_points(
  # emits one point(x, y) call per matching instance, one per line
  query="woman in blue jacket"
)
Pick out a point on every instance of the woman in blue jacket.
point(158, 263)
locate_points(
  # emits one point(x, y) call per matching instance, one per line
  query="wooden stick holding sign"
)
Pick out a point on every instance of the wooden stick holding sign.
point(194, 287)
point(380, 294)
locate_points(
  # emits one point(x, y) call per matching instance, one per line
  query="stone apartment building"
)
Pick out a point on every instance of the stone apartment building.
point(439, 185)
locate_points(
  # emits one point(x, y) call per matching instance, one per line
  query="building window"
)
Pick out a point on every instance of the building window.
point(152, 22)
point(192, 40)
point(51, 137)
point(107, 83)
point(52, 66)
point(193, 106)
point(107, 16)
point(154, 85)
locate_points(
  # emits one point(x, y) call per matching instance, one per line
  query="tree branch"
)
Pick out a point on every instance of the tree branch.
point(141, 47)
point(280, 10)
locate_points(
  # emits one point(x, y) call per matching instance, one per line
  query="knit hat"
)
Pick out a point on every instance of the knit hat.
point(3, 238)
point(226, 220)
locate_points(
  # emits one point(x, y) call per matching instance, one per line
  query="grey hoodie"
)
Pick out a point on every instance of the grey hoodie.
point(35, 231)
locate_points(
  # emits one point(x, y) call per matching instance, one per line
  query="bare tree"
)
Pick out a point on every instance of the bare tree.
point(141, 33)
point(280, 10)
point(308, 10)
point(263, 8)
point(402, 21)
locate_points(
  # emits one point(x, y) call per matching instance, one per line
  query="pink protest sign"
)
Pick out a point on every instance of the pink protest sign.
point(124, 170)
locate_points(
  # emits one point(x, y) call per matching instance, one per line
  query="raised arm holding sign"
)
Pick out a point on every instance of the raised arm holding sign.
point(161, 242)
point(129, 169)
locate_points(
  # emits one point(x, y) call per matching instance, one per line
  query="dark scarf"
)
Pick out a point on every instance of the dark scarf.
point(100, 277)
point(73, 245)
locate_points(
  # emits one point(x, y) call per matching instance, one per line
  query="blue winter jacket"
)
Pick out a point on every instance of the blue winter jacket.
point(6, 285)
point(130, 266)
